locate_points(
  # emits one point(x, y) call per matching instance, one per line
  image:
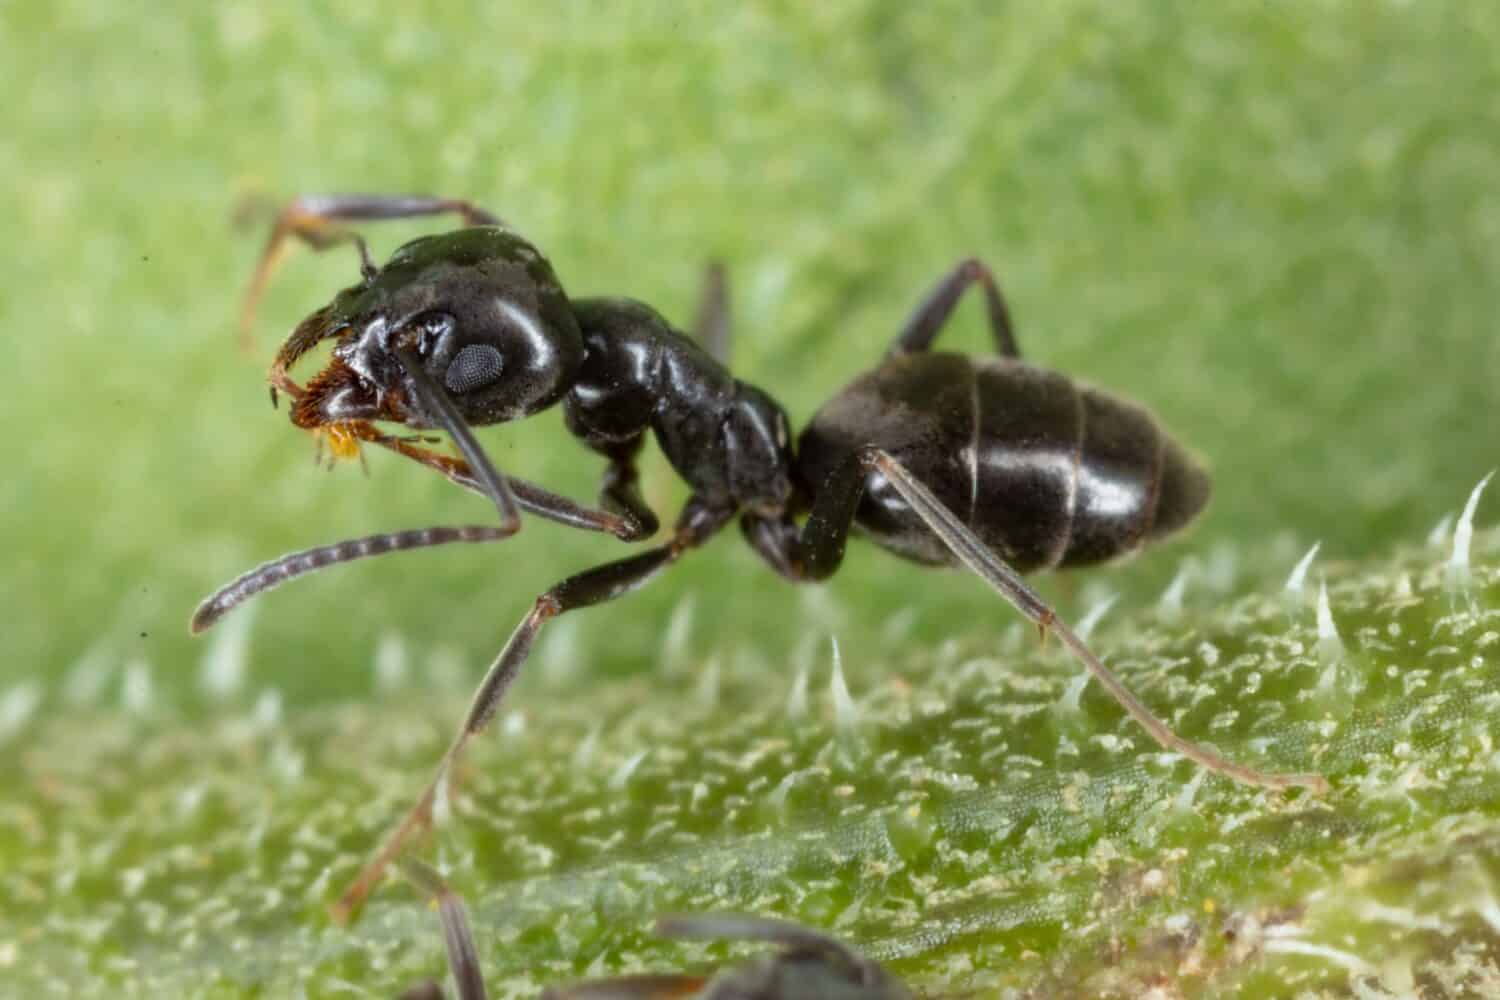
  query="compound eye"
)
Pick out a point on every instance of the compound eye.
point(473, 367)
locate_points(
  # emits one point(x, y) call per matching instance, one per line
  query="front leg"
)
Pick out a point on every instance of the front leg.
point(621, 494)
point(614, 425)
point(531, 498)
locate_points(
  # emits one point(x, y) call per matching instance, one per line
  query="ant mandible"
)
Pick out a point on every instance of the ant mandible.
point(939, 458)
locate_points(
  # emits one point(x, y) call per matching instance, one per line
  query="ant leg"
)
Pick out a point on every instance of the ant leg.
point(696, 525)
point(463, 956)
point(621, 494)
point(313, 219)
point(816, 552)
point(632, 526)
point(531, 498)
point(711, 328)
point(1009, 585)
point(927, 320)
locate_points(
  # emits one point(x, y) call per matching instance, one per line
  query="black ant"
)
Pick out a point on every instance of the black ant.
point(941, 458)
point(808, 964)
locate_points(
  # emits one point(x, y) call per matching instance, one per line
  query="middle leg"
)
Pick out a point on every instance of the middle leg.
point(628, 525)
point(698, 523)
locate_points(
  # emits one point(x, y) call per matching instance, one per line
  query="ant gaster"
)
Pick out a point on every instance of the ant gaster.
point(808, 965)
point(940, 458)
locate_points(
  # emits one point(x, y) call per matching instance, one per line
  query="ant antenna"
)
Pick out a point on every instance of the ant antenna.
point(278, 571)
point(436, 401)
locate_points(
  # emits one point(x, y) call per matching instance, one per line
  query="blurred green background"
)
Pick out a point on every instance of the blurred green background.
point(1275, 223)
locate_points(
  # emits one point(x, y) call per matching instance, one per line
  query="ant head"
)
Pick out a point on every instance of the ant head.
point(481, 311)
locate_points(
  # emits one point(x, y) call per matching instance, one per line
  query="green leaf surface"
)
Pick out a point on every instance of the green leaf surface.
point(978, 818)
point(1276, 224)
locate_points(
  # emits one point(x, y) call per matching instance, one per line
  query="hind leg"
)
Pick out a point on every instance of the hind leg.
point(816, 549)
point(927, 320)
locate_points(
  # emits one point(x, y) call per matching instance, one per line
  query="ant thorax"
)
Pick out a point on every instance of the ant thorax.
point(728, 440)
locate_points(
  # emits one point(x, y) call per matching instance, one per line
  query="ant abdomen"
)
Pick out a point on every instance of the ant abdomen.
point(1047, 471)
point(1136, 484)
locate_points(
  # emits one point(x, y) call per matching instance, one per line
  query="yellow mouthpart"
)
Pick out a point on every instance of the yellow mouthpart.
point(342, 441)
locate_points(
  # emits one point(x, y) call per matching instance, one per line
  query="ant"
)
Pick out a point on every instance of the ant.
point(808, 964)
point(940, 458)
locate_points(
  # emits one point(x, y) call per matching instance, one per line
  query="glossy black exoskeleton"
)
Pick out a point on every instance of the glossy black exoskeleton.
point(942, 458)
point(807, 965)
